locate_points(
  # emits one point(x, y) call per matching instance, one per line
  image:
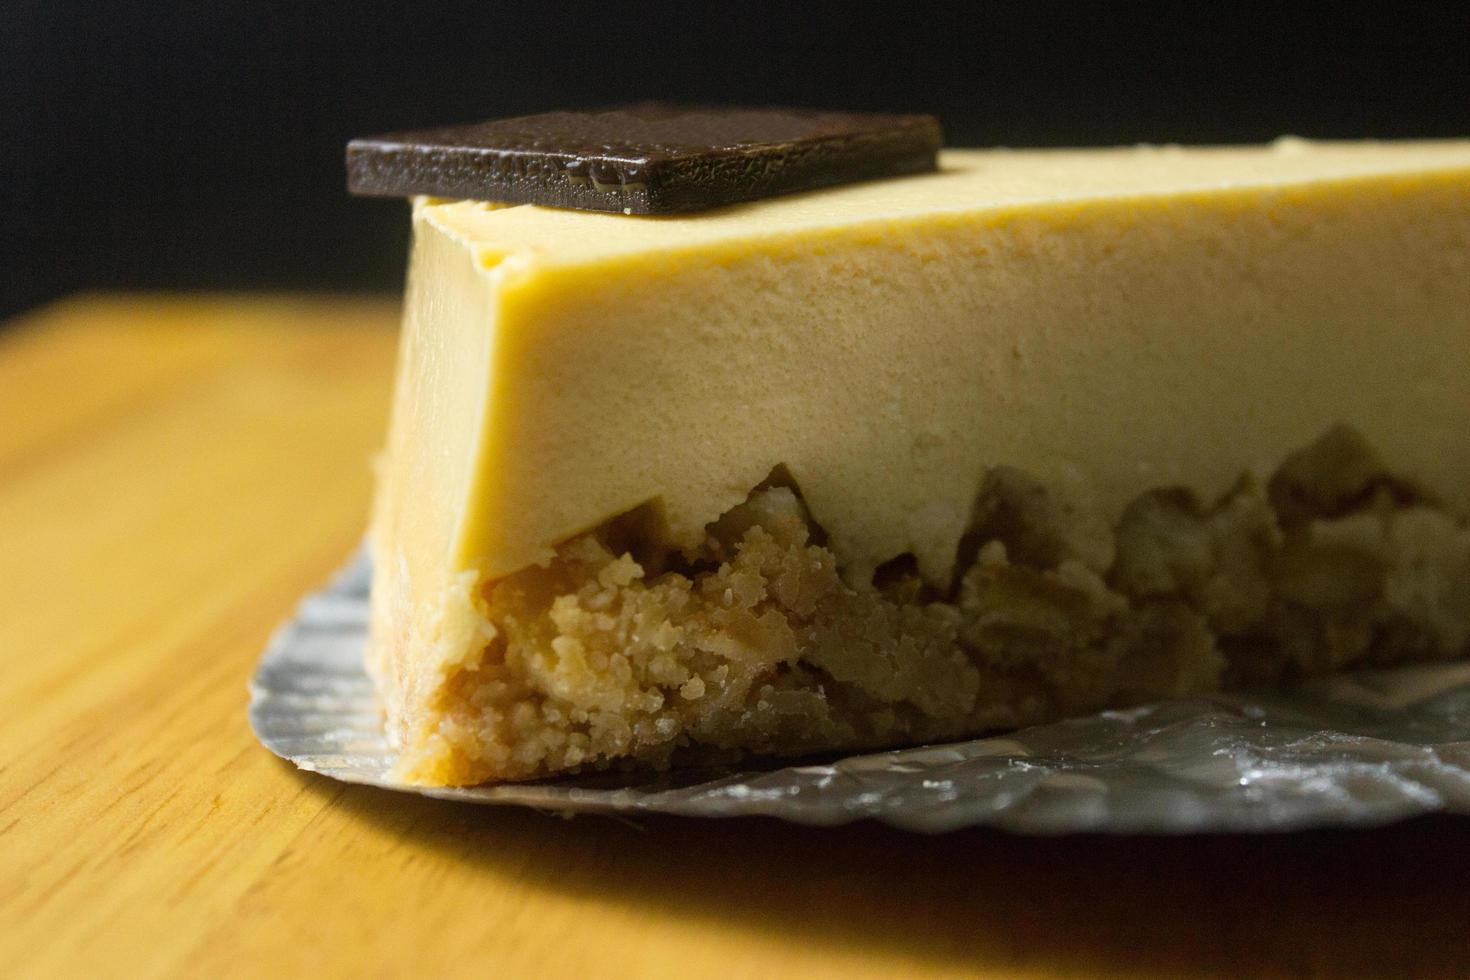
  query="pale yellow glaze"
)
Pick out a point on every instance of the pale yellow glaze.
point(1109, 320)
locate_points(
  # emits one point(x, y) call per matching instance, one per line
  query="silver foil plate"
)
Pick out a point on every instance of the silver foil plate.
point(1356, 750)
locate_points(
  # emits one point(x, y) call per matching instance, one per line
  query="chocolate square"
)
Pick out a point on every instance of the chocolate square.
point(644, 159)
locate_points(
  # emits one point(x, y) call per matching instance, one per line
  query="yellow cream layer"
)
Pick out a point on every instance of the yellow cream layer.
point(1108, 321)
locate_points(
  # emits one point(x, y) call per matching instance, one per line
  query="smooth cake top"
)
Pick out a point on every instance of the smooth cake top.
point(968, 182)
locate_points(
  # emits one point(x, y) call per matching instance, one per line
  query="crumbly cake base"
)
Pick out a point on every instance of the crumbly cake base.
point(620, 652)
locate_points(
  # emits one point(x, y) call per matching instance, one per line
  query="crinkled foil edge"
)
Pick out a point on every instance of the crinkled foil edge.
point(1359, 750)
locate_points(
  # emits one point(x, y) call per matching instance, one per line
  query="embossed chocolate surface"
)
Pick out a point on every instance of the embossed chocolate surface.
point(644, 159)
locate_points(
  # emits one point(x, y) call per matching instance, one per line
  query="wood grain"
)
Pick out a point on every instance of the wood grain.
point(176, 472)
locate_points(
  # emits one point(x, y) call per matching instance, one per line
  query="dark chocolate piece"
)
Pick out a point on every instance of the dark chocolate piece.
point(644, 159)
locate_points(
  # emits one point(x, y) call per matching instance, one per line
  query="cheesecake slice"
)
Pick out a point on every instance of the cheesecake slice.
point(1038, 433)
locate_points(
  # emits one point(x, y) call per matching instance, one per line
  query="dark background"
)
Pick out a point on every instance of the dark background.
point(198, 144)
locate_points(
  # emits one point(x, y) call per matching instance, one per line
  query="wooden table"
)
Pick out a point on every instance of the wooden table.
point(175, 473)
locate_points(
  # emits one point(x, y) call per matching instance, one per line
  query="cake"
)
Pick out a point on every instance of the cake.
point(909, 460)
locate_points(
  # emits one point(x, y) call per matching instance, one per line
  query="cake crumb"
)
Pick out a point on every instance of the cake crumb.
point(756, 646)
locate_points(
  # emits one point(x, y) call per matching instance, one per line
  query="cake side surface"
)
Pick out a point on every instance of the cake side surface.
point(1130, 352)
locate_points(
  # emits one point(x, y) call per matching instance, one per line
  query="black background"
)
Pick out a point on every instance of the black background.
point(198, 144)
